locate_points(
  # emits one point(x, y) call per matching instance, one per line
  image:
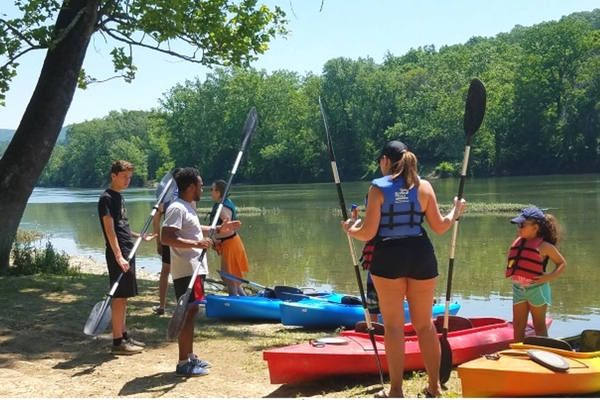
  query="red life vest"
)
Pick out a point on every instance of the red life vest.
point(524, 258)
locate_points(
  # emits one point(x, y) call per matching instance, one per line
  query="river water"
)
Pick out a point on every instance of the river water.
point(293, 237)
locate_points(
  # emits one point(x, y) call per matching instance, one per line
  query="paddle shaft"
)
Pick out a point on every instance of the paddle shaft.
point(237, 278)
point(213, 225)
point(474, 113)
point(138, 241)
point(248, 130)
point(461, 187)
point(338, 184)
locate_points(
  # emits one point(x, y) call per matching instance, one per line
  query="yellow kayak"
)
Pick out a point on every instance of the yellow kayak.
point(536, 368)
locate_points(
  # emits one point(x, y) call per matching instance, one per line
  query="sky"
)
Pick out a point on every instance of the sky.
point(343, 28)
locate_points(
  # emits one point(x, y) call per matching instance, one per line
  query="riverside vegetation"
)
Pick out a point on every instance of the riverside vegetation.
point(543, 83)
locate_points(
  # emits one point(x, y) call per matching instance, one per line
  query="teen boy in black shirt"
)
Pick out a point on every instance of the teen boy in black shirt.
point(119, 242)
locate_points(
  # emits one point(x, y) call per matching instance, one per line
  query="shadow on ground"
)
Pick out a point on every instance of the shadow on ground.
point(361, 386)
point(42, 317)
point(159, 384)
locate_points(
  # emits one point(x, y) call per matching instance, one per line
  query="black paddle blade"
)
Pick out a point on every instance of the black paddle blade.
point(249, 126)
point(170, 194)
point(474, 107)
point(446, 361)
point(99, 318)
point(177, 320)
point(326, 125)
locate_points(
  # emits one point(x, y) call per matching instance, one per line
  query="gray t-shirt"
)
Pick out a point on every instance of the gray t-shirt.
point(182, 215)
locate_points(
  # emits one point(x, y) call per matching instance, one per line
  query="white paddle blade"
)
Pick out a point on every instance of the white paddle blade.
point(177, 320)
point(171, 194)
point(336, 341)
point(99, 318)
point(549, 360)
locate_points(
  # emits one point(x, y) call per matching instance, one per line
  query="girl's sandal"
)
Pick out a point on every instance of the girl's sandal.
point(383, 394)
point(427, 394)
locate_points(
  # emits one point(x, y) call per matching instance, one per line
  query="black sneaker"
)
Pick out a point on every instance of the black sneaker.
point(158, 310)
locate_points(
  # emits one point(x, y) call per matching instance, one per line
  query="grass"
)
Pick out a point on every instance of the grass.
point(48, 313)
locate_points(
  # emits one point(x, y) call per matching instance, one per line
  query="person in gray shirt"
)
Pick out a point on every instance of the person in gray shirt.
point(183, 233)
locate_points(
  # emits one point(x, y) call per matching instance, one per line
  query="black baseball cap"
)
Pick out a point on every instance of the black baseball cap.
point(394, 150)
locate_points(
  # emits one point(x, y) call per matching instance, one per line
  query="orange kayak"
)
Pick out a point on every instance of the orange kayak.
point(514, 372)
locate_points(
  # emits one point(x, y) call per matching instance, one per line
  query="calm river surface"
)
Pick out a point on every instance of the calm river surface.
point(293, 237)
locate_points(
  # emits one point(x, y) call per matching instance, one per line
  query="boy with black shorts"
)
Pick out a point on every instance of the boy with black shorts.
point(183, 233)
point(119, 242)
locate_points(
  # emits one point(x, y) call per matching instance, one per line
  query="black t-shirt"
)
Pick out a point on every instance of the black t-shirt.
point(112, 203)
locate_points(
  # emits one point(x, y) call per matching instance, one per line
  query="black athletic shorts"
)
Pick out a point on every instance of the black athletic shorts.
point(181, 284)
point(166, 254)
point(128, 283)
point(410, 257)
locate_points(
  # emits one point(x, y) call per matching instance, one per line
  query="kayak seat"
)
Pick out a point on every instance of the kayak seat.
point(361, 326)
point(351, 300)
point(268, 293)
point(547, 342)
point(287, 289)
point(590, 340)
point(455, 323)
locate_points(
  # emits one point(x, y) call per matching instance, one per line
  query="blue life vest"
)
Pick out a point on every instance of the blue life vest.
point(401, 214)
point(227, 203)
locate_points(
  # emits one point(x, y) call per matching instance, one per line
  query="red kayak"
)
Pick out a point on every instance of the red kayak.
point(352, 352)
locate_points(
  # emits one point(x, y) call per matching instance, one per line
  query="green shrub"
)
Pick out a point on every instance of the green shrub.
point(30, 257)
point(445, 169)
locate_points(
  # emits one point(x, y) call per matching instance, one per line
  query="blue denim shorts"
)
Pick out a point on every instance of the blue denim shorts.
point(536, 295)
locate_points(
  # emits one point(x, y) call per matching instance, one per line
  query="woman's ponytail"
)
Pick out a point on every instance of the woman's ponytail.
point(407, 168)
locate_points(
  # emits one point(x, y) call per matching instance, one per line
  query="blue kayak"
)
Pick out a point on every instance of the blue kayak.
point(258, 307)
point(324, 314)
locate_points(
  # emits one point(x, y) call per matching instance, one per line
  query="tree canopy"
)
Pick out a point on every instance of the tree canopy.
point(543, 113)
point(209, 32)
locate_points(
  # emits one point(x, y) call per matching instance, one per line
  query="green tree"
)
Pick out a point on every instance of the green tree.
point(215, 31)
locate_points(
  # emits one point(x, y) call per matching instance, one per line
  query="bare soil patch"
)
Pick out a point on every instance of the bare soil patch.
point(44, 353)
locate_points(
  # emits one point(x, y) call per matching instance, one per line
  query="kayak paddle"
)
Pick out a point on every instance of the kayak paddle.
point(100, 315)
point(336, 178)
point(177, 320)
point(474, 112)
point(280, 292)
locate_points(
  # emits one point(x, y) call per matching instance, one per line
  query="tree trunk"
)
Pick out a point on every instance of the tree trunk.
point(33, 142)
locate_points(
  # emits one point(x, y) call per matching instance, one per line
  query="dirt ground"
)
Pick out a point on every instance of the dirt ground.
point(44, 353)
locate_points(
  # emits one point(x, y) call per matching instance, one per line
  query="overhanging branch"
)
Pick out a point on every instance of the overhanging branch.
point(121, 37)
point(17, 33)
point(14, 58)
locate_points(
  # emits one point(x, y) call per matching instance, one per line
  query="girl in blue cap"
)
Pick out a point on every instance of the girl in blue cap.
point(537, 236)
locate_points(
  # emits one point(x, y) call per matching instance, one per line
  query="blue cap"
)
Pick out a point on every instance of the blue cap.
point(529, 213)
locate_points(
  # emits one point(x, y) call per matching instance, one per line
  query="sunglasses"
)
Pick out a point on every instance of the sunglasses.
point(524, 224)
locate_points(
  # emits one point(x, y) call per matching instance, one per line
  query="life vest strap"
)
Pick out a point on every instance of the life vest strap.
point(531, 271)
point(527, 259)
